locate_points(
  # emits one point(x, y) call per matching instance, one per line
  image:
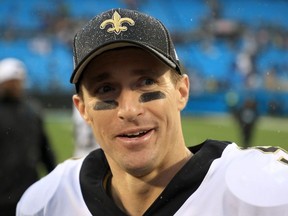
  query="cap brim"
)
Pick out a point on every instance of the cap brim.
point(80, 67)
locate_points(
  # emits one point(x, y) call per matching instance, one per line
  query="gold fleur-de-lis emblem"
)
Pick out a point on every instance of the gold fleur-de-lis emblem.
point(116, 23)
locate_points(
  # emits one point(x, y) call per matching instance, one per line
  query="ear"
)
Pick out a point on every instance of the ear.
point(183, 87)
point(80, 105)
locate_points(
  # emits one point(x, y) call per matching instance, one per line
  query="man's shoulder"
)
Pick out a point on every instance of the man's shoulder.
point(260, 154)
point(56, 185)
point(258, 176)
point(210, 146)
point(242, 181)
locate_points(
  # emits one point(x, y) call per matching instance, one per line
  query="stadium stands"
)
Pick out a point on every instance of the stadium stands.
point(40, 34)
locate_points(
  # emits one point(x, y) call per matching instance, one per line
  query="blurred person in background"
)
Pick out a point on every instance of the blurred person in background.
point(23, 141)
point(247, 116)
point(83, 135)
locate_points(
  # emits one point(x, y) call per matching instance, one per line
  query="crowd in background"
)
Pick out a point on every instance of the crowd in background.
point(220, 53)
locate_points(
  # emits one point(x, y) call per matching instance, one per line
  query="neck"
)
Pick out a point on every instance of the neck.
point(134, 195)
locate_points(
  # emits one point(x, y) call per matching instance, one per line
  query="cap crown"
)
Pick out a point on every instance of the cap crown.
point(122, 26)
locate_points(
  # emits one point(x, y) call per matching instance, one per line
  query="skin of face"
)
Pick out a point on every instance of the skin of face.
point(13, 88)
point(140, 131)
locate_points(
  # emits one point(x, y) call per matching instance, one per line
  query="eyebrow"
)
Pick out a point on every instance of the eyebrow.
point(141, 71)
point(105, 75)
point(101, 77)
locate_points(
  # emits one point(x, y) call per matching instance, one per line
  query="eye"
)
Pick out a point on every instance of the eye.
point(104, 89)
point(147, 82)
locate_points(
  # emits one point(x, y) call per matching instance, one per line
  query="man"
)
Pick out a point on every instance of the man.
point(23, 142)
point(131, 90)
point(247, 117)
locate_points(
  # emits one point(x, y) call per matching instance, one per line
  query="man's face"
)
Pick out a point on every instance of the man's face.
point(134, 109)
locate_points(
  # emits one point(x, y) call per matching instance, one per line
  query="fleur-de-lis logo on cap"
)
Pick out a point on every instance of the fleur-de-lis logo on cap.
point(116, 23)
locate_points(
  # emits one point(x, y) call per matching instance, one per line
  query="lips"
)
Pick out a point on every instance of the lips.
point(135, 139)
point(135, 134)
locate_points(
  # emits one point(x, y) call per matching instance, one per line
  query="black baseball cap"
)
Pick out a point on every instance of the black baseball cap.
point(119, 28)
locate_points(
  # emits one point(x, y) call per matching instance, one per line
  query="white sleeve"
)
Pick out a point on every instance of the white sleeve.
point(55, 194)
point(257, 184)
point(35, 198)
point(250, 182)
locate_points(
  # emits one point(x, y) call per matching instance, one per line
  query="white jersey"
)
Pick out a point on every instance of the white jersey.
point(219, 180)
point(56, 194)
point(242, 183)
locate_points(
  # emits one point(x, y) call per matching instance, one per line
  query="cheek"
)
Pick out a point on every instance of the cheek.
point(98, 113)
point(163, 109)
point(169, 111)
point(100, 123)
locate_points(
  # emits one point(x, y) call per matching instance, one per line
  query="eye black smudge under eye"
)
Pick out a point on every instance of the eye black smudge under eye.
point(149, 96)
point(106, 105)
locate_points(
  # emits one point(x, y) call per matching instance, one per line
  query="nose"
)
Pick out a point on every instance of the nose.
point(129, 108)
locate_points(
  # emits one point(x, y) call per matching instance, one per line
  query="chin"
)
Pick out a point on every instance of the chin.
point(140, 169)
point(139, 172)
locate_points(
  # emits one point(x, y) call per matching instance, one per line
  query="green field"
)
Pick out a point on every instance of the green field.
point(269, 131)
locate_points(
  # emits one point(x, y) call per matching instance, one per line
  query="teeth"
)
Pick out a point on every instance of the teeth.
point(135, 134)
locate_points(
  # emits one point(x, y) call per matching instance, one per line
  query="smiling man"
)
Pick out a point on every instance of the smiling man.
point(130, 89)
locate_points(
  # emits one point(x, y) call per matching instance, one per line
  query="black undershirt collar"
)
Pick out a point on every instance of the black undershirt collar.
point(186, 181)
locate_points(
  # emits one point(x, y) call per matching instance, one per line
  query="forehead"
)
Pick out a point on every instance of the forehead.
point(128, 59)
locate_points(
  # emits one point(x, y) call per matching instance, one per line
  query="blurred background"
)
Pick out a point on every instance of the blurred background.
point(235, 52)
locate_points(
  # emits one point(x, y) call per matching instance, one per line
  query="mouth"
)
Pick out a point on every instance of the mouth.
point(137, 134)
